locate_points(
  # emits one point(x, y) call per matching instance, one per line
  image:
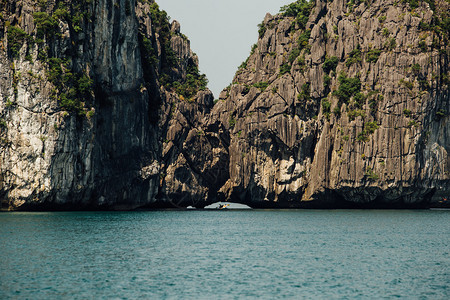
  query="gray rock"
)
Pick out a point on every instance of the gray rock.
point(113, 157)
point(135, 142)
point(287, 151)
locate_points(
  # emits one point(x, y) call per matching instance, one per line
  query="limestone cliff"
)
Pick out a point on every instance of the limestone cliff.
point(341, 104)
point(88, 104)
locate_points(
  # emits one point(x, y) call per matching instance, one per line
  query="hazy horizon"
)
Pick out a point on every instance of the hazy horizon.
point(221, 32)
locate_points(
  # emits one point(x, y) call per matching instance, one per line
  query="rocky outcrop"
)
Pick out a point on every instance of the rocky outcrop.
point(341, 104)
point(86, 121)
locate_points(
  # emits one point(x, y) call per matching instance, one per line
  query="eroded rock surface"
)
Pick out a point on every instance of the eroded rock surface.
point(372, 128)
point(85, 119)
point(340, 104)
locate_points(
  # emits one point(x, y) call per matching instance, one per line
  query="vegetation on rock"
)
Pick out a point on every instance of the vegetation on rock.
point(287, 129)
point(300, 9)
point(194, 82)
point(354, 56)
point(330, 64)
point(16, 39)
point(348, 87)
point(165, 64)
point(373, 55)
point(285, 68)
point(261, 85)
point(305, 93)
point(46, 25)
point(72, 90)
point(261, 29)
point(371, 175)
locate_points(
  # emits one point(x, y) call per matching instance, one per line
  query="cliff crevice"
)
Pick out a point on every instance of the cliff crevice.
point(351, 95)
point(88, 98)
point(340, 104)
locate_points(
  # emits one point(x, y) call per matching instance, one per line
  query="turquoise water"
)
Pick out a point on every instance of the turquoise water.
point(234, 254)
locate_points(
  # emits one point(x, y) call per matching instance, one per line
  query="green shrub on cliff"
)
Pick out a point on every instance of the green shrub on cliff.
point(326, 81)
point(353, 114)
point(84, 84)
point(193, 83)
point(55, 70)
point(423, 46)
point(352, 3)
point(326, 108)
point(46, 25)
point(148, 52)
point(16, 39)
point(359, 99)
point(413, 4)
point(354, 56)
point(441, 114)
point(159, 17)
point(412, 123)
point(61, 13)
point(444, 24)
point(416, 68)
point(330, 64)
point(71, 90)
point(68, 102)
point(168, 60)
point(369, 128)
point(371, 175)
point(302, 43)
point(169, 56)
point(254, 47)
point(390, 44)
point(243, 65)
point(348, 87)
point(294, 54)
point(373, 55)
point(161, 24)
point(406, 83)
point(362, 137)
point(261, 85)
point(337, 111)
point(303, 40)
point(300, 9)
point(305, 93)
point(261, 29)
point(285, 68)
point(407, 113)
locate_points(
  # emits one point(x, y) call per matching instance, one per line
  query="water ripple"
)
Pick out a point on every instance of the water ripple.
point(249, 254)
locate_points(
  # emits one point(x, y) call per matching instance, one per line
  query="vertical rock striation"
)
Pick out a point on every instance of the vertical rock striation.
point(342, 104)
point(84, 112)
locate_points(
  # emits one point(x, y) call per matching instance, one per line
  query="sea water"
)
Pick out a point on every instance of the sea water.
point(226, 254)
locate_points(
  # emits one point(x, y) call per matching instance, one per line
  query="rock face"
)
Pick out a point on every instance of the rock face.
point(340, 104)
point(84, 117)
point(344, 105)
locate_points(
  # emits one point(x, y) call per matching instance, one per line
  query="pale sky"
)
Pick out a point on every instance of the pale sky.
point(221, 32)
